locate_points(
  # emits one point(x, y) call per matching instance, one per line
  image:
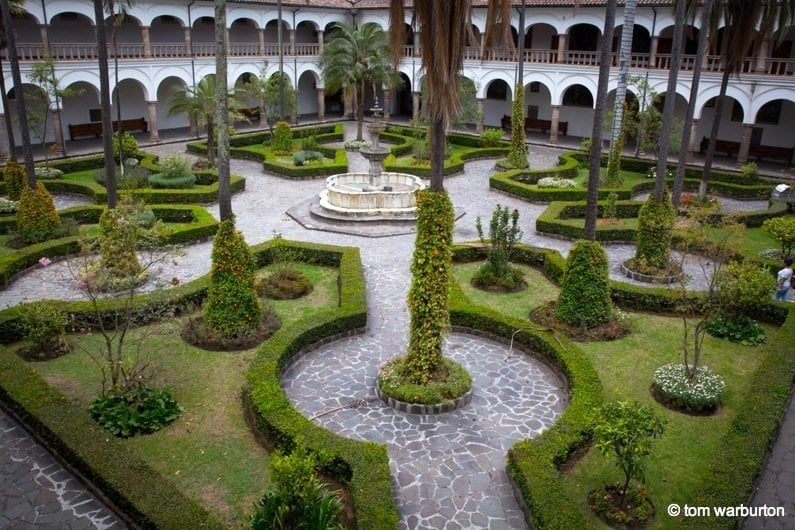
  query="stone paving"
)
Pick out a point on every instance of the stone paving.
point(480, 499)
point(36, 492)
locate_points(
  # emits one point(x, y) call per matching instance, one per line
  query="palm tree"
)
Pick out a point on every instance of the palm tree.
point(743, 21)
point(199, 102)
point(354, 58)
point(222, 112)
point(5, 11)
point(595, 156)
point(15, 7)
point(104, 99)
point(706, 14)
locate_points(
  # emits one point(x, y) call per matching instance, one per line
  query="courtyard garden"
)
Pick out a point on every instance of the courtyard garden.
point(212, 464)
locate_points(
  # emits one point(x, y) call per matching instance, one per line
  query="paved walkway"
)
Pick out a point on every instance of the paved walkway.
point(261, 213)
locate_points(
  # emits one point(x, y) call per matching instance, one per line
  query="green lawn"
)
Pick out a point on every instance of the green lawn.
point(209, 452)
point(682, 455)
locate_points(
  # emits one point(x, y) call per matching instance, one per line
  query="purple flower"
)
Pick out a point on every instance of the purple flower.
point(44, 261)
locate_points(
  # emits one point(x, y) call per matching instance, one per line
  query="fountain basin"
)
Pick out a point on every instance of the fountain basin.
point(351, 194)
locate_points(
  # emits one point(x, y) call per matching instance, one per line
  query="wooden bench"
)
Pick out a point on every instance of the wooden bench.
point(94, 128)
point(754, 151)
point(536, 124)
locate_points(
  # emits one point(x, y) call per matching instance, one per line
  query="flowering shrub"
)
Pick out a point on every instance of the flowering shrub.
point(554, 182)
point(37, 219)
point(48, 173)
point(355, 145)
point(652, 173)
point(8, 206)
point(703, 393)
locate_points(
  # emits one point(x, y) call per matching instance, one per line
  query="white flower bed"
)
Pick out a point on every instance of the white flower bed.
point(704, 392)
point(7, 206)
point(553, 182)
point(355, 145)
point(48, 173)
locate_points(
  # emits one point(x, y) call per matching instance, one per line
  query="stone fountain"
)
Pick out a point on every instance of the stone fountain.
point(372, 196)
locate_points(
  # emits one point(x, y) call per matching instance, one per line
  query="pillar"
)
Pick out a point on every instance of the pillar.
point(321, 104)
point(562, 41)
point(194, 127)
point(57, 129)
point(147, 42)
point(389, 96)
point(760, 67)
point(188, 44)
point(554, 124)
point(320, 38)
point(415, 105)
point(481, 115)
point(291, 35)
point(694, 141)
point(5, 148)
point(261, 41)
point(154, 135)
point(653, 52)
point(45, 40)
point(745, 144)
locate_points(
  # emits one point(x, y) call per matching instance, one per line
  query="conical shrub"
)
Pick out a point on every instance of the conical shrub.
point(37, 219)
point(584, 298)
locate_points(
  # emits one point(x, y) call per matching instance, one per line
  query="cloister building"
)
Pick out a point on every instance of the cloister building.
point(166, 44)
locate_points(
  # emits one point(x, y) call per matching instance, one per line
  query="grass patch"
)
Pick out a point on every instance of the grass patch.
point(539, 291)
point(208, 452)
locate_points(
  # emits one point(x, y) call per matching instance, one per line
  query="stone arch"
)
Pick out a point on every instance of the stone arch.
point(131, 95)
point(166, 87)
point(70, 27)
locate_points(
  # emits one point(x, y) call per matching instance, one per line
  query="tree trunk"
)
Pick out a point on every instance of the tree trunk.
point(436, 140)
point(222, 112)
point(22, 112)
point(625, 57)
point(706, 13)
point(359, 99)
point(713, 136)
point(670, 100)
point(104, 99)
point(12, 148)
point(595, 157)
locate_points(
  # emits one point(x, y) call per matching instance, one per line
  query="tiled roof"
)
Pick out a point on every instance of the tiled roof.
point(381, 4)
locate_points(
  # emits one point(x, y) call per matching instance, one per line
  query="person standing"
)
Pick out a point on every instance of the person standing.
point(784, 280)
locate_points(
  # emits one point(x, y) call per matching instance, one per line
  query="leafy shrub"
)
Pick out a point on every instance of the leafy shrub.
point(782, 229)
point(118, 243)
point(303, 157)
point(741, 329)
point(702, 393)
point(749, 171)
point(232, 308)
point(504, 233)
point(655, 225)
point(451, 381)
point(37, 219)
point(44, 324)
point(430, 283)
point(635, 511)
point(15, 179)
point(8, 206)
point(584, 298)
point(129, 146)
point(298, 499)
point(160, 181)
point(139, 412)
point(285, 284)
point(742, 285)
point(134, 178)
point(175, 166)
point(47, 173)
point(491, 137)
point(553, 182)
point(611, 212)
point(202, 164)
point(282, 142)
point(626, 429)
point(309, 143)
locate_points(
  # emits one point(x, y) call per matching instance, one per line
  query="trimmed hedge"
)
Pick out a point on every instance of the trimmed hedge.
point(147, 497)
point(199, 224)
point(364, 465)
point(744, 449)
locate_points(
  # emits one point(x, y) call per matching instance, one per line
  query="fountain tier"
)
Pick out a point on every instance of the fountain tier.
point(354, 195)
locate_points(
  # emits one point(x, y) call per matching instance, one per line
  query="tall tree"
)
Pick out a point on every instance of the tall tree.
point(624, 59)
point(703, 37)
point(353, 58)
point(14, 7)
point(743, 21)
point(27, 149)
point(595, 156)
point(222, 112)
point(104, 101)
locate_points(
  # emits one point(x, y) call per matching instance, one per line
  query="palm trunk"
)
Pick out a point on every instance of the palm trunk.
point(595, 158)
point(104, 97)
point(436, 140)
point(27, 148)
point(222, 112)
point(670, 100)
point(359, 99)
point(625, 54)
point(12, 148)
point(706, 13)
point(713, 136)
